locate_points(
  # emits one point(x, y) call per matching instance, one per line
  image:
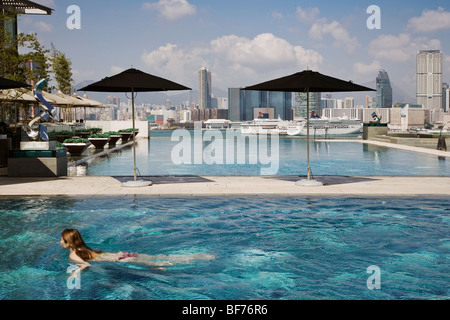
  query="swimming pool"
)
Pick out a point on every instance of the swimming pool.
point(287, 157)
point(271, 248)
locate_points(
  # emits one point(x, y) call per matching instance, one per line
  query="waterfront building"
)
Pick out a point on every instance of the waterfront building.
point(300, 108)
point(349, 102)
point(429, 79)
point(445, 97)
point(204, 88)
point(235, 109)
point(405, 117)
point(246, 105)
point(328, 102)
point(384, 90)
point(363, 114)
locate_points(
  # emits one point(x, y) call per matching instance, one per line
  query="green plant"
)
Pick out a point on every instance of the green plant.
point(95, 130)
point(113, 133)
point(99, 135)
point(79, 140)
point(64, 133)
point(128, 130)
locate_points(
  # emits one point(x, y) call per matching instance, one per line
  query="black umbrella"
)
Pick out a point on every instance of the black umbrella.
point(10, 84)
point(308, 81)
point(133, 80)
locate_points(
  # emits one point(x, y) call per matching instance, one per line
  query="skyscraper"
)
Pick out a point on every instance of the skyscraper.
point(204, 88)
point(429, 79)
point(384, 90)
point(300, 108)
point(244, 104)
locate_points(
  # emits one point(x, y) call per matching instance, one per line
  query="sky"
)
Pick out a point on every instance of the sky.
point(246, 42)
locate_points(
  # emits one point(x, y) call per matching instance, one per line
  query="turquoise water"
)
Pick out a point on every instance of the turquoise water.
point(287, 157)
point(267, 248)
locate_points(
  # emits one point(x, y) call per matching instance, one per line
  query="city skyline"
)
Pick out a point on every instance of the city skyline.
point(243, 44)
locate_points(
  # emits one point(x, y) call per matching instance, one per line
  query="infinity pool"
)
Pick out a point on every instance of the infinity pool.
point(266, 248)
point(162, 156)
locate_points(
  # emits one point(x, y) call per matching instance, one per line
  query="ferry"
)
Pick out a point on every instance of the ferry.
point(217, 124)
point(265, 126)
point(326, 127)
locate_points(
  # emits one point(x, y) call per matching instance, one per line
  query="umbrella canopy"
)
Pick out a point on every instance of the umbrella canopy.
point(308, 81)
point(133, 80)
point(10, 84)
point(17, 95)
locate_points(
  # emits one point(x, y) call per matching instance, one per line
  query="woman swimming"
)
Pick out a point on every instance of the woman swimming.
point(80, 253)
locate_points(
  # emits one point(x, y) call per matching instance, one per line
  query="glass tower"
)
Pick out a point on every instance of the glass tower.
point(315, 104)
point(204, 89)
point(384, 90)
point(242, 104)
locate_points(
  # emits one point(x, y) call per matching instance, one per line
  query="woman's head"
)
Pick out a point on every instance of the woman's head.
point(71, 239)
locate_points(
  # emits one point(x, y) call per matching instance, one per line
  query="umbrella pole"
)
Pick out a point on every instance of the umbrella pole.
point(309, 182)
point(134, 134)
point(307, 134)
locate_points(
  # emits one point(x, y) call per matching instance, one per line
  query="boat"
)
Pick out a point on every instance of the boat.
point(217, 124)
point(265, 126)
point(326, 127)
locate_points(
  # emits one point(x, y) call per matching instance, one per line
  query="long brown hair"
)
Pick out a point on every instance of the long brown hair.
point(75, 241)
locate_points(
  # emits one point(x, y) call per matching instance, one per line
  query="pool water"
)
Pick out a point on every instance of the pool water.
point(271, 248)
point(286, 157)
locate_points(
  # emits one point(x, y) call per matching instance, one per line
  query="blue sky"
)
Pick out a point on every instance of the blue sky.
point(247, 41)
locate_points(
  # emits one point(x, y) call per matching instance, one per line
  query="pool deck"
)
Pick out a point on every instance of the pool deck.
point(186, 186)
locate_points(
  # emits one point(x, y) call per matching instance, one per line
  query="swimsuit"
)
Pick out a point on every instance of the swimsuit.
point(128, 255)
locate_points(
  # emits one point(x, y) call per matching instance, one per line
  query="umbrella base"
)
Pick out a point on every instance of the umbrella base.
point(308, 183)
point(137, 184)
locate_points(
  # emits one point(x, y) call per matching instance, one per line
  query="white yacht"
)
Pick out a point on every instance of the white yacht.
point(325, 126)
point(265, 126)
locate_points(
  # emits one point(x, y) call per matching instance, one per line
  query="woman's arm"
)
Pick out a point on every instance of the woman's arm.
point(75, 258)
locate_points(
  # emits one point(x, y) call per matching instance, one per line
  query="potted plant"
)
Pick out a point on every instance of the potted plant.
point(95, 130)
point(126, 134)
point(83, 133)
point(76, 146)
point(113, 138)
point(99, 140)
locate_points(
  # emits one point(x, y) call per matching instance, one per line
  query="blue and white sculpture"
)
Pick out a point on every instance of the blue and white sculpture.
point(48, 112)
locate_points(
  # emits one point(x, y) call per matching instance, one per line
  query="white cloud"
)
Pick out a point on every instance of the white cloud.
point(171, 9)
point(430, 20)
point(43, 26)
point(116, 69)
point(38, 26)
point(233, 60)
point(363, 69)
point(400, 48)
point(307, 15)
point(341, 36)
point(277, 15)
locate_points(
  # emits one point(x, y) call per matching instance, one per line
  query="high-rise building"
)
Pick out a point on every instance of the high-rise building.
point(300, 108)
point(429, 79)
point(349, 102)
point(445, 97)
point(244, 104)
point(204, 88)
point(384, 90)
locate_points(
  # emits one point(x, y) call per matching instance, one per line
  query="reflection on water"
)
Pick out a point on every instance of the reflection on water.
point(161, 156)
